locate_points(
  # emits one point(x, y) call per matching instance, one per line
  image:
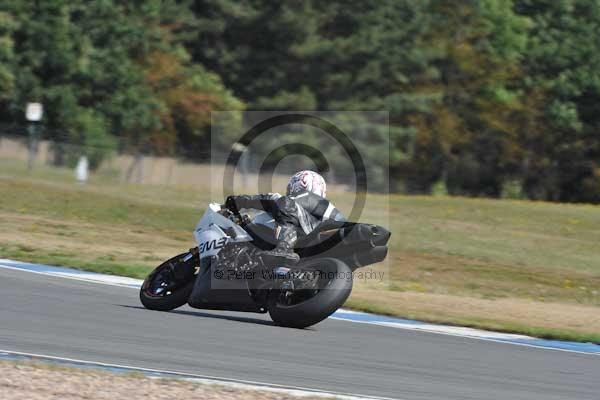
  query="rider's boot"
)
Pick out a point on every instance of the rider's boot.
point(284, 249)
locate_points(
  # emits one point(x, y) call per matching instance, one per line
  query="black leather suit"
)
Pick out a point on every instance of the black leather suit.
point(295, 214)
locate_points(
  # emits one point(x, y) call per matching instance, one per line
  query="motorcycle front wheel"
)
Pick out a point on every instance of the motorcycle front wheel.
point(300, 308)
point(170, 284)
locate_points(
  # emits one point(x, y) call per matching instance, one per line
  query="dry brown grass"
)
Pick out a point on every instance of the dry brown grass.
point(502, 314)
point(81, 244)
point(96, 239)
point(455, 275)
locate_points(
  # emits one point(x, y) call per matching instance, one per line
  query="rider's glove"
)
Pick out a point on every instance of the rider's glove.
point(231, 205)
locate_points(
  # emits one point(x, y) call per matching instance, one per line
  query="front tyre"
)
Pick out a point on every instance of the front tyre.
point(306, 307)
point(170, 284)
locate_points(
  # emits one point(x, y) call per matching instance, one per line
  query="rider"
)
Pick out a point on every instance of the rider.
point(300, 211)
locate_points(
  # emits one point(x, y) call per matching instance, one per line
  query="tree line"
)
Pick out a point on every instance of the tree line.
point(483, 95)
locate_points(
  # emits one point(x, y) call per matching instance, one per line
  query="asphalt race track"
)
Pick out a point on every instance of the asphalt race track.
point(89, 321)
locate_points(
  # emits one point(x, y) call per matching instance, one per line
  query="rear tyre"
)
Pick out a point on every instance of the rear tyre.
point(170, 284)
point(333, 290)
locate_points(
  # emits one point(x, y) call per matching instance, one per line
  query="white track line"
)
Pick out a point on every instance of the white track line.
point(205, 379)
point(73, 277)
point(417, 328)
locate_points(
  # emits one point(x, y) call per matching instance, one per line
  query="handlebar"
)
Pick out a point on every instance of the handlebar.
point(238, 218)
point(234, 212)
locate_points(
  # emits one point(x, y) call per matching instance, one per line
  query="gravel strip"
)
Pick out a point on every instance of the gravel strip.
point(40, 381)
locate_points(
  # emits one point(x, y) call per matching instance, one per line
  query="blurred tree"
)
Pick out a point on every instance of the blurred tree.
point(482, 44)
point(480, 92)
point(7, 59)
point(447, 72)
point(110, 68)
point(251, 45)
point(305, 55)
point(189, 93)
point(561, 137)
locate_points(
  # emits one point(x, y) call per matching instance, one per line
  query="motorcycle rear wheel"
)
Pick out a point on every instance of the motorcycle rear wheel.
point(331, 295)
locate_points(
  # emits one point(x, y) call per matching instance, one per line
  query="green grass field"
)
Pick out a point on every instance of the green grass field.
point(508, 265)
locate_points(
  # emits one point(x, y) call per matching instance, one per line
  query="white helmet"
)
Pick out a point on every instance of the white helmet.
point(308, 181)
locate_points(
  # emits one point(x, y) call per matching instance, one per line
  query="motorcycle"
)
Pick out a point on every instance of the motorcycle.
point(226, 271)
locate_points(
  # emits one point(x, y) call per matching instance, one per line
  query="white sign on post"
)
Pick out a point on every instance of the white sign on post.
point(34, 112)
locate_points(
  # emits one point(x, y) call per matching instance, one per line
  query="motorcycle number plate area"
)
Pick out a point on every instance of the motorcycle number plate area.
point(210, 242)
